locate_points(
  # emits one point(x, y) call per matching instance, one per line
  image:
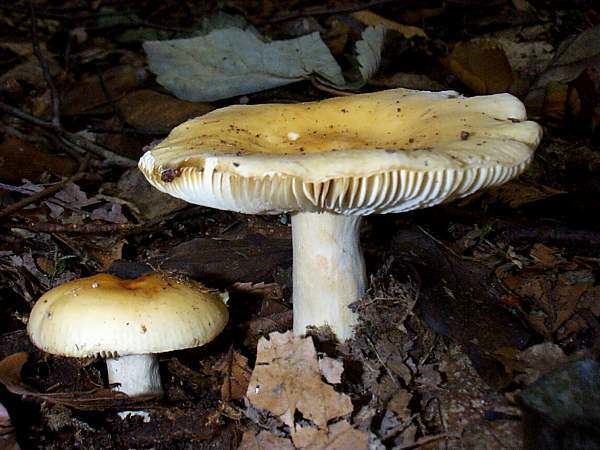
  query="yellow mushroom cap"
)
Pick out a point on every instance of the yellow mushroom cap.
point(109, 316)
point(389, 151)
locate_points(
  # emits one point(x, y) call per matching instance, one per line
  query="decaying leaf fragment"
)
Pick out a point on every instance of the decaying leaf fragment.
point(287, 379)
point(481, 65)
point(237, 376)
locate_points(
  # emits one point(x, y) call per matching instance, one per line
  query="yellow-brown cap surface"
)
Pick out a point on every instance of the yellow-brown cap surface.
point(109, 316)
point(381, 152)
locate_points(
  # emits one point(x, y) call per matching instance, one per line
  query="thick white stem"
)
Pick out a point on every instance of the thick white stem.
point(136, 374)
point(328, 271)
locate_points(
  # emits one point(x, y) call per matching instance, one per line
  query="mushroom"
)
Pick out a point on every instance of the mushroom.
point(127, 322)
point(333, 161)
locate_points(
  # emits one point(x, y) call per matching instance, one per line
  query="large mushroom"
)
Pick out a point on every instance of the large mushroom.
point(331, 162)
point(127, 322)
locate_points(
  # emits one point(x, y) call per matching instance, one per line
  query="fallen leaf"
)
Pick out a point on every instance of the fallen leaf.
point(331, 369)
point(89, 94)
point(264, 441)
point(231, 61)
point(340, 436)
point(572, 58)
point(286, 380)
point(546, 256)
point(150, 110)
point(368, 53)
point(31, 72)
point(481, 65)
point(237, 376)
point(370, 18)
point(538, 360)
point(20, 160)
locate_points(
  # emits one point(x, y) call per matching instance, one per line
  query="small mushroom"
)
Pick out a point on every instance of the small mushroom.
point(331, 162)
point(127, 322)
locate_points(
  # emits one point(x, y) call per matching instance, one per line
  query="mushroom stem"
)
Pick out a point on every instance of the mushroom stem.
point(136, 374)
point(328, 271)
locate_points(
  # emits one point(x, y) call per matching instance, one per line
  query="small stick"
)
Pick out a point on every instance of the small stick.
point(84, 144)
point(45, 69)
point(11, 209)
point(17, 206)
point(426, 440)
point(74, 228)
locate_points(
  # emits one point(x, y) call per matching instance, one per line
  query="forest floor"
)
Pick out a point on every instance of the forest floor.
point(480, 328)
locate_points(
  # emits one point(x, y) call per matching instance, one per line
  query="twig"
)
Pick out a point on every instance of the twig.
point(441, 244)
point(110, 100)
point(17, 206)
point(428, 439)
point(45, 69)
point(74, 228)
point(387, 369)
point(319, 11)
point(84, 145)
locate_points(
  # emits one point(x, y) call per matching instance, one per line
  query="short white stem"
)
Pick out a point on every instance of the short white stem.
point(136, 374)
point(328, 271)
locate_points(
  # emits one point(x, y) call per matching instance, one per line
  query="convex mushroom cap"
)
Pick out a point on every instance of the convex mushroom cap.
point(107, 316)
point(332, 161)
point(389, 151)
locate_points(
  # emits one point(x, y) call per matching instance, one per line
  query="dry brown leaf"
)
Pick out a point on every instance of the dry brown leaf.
point(237, 376)
point(546, 256)
point(23, 160)
point(553, 296)
point(339, 436)
point(89, 94)
point(264, 441)
point(286, 379)
point(481, 65)
point(150, 110)
point(371, 19)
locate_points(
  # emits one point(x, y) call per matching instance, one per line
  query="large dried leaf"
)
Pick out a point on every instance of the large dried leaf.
point(286, 380)
point(231, 61)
